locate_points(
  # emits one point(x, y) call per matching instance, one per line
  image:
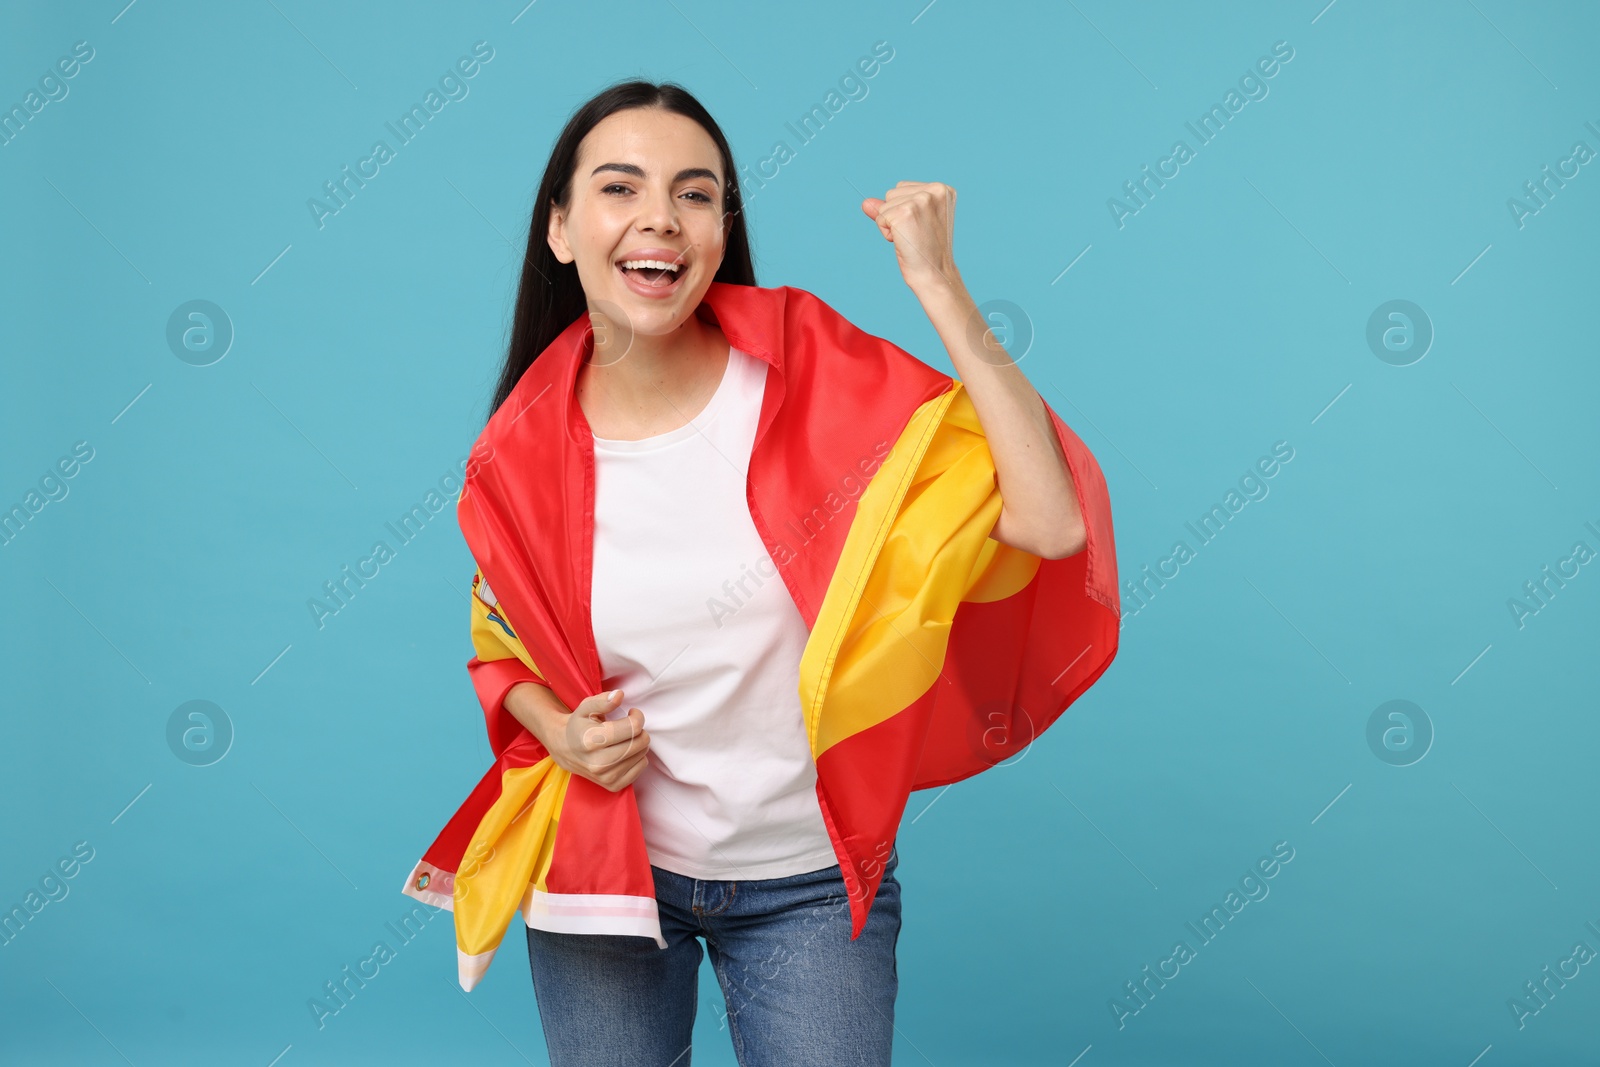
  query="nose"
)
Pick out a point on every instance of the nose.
point(658, 213)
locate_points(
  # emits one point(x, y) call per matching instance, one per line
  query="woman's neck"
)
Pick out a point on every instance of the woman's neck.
point(631, 388)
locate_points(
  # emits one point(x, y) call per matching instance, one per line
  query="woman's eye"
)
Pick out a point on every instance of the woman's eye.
point(618, 189)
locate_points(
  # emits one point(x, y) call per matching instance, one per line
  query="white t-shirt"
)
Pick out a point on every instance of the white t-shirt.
point(697, 629)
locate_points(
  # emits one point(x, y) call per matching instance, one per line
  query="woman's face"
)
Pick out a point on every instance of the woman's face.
point(648, 186)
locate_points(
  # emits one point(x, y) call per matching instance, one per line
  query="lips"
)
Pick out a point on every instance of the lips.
point(649, 271)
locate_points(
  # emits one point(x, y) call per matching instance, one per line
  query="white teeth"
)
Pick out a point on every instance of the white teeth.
point(634, 264)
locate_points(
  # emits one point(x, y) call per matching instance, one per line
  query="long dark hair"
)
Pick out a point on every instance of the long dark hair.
point(550, 297)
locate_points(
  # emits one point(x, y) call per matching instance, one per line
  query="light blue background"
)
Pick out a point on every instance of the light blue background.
point(1227, 315)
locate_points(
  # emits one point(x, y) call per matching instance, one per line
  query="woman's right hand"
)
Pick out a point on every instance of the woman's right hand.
point(610, 753)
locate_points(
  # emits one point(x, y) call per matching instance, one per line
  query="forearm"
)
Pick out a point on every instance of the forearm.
point(1039, 511)
point(538, 708)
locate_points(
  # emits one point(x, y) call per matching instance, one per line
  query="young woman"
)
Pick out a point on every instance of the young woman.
point(715, 420)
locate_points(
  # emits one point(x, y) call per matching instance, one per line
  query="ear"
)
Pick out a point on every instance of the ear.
point(557, 235)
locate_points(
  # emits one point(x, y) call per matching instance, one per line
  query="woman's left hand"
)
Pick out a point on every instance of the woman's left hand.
point(920, 218)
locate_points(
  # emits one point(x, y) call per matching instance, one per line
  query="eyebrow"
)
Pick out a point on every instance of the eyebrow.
point(638, 172)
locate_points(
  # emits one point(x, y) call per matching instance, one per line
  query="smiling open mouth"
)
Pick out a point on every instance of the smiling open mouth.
point(653, 274)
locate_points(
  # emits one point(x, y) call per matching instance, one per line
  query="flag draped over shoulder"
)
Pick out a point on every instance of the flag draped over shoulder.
point(935, 652)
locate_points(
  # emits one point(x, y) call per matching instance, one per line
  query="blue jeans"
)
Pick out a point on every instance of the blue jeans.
point(798, 990)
